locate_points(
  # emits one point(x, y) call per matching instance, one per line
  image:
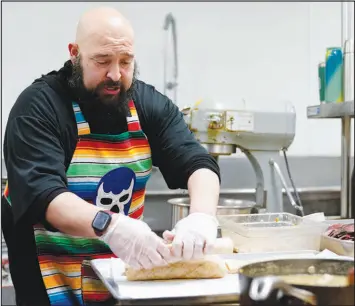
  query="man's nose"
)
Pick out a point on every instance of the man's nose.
point(114, 74)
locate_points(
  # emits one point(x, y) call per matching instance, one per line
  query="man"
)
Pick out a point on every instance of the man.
point(79, 146)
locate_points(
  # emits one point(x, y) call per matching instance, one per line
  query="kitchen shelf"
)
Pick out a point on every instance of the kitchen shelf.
point(331, 110)
point(343, 111)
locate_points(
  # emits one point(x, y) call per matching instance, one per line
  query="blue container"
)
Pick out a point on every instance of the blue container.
point(334, 75)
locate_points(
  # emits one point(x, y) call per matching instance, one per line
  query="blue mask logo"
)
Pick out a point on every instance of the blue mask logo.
point(115, 190)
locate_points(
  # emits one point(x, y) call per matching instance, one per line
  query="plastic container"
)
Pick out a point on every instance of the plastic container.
point(339, 247)
point(271, 232)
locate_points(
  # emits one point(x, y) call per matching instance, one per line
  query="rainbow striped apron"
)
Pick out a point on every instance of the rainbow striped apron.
point(107, 171)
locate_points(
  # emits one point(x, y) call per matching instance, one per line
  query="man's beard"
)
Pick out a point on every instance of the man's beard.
point(92, 97)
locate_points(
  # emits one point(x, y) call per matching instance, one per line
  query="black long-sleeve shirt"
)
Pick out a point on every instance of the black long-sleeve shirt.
point(39, 143)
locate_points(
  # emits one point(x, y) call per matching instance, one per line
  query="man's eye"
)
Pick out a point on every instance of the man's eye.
point(102, 62)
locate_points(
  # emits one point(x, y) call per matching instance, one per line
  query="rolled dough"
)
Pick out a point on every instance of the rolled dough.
point(212, 266)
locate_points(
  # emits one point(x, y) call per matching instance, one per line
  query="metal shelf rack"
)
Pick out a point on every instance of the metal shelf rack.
point(343, 111)
point(331, 110)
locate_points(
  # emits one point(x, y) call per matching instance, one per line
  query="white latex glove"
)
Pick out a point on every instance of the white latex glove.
point(133, 242)
point(193, 236)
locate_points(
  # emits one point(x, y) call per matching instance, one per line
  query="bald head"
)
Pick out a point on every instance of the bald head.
point(102, 22)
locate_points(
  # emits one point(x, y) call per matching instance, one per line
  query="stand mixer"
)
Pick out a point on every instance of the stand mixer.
point(259, 135)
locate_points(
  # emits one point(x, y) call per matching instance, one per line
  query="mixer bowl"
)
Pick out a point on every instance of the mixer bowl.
point(181, 207)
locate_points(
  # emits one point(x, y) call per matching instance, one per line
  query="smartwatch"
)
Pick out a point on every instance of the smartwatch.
point(101, 222)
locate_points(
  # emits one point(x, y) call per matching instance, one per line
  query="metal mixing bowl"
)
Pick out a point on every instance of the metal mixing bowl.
point(181, 207)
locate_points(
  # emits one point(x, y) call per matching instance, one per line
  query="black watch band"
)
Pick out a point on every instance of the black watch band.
point(101, 222)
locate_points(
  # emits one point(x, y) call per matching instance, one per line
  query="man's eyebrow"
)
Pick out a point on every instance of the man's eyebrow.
point(99, 55)
point(105, 55)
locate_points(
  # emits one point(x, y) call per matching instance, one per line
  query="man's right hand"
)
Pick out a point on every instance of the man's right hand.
point(134, 243)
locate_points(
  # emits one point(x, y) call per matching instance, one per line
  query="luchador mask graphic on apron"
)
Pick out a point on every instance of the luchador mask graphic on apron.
point(115, 190)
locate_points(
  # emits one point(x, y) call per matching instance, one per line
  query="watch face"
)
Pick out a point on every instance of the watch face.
point(101, 221)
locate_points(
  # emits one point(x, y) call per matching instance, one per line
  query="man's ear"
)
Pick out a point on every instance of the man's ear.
point(73, 51)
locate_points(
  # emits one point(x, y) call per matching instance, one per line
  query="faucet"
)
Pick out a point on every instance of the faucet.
point(169, 22)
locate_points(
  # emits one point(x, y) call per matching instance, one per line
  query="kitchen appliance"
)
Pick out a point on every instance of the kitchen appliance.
point(259, 135)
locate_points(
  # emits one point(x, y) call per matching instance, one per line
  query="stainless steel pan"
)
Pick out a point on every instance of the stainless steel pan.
point(261, 283)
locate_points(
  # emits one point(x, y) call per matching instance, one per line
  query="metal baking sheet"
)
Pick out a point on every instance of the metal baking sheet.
point(180, 292)
point(177, 292)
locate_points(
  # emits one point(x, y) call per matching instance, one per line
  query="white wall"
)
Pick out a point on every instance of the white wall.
point(265, 53)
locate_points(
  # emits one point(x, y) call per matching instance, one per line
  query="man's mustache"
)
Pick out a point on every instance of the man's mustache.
point(110, 83)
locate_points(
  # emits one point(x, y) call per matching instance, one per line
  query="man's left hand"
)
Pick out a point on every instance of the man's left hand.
point(193, 236)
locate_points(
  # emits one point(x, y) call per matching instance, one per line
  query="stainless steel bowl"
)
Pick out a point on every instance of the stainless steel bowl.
point(181, 207)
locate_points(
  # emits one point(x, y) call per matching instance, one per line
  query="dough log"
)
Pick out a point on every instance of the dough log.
point(209, 267)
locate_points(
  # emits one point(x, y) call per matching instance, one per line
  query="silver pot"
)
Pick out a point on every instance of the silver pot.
point(181, 207)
